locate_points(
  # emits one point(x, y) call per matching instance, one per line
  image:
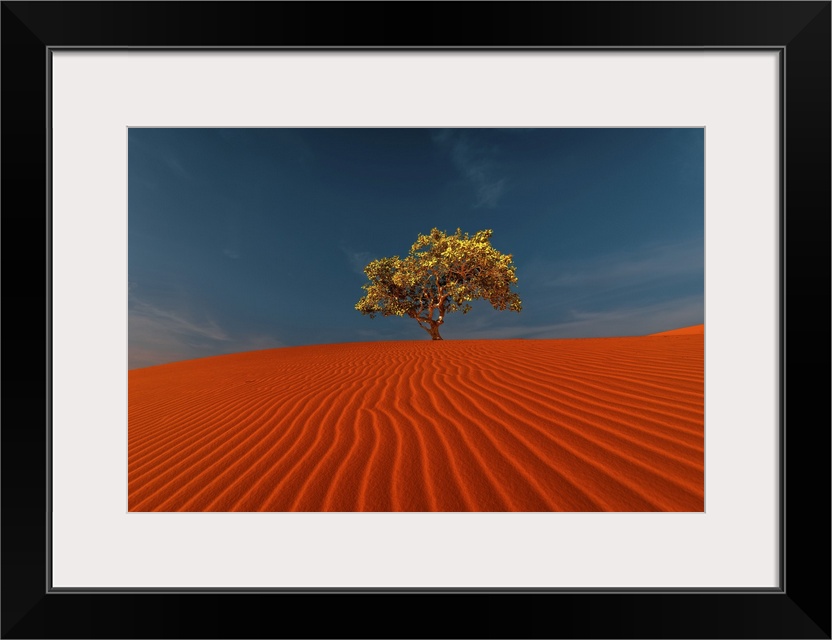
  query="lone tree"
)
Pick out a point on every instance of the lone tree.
point(440, 275)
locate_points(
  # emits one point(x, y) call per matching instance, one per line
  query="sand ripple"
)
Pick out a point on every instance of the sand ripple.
point(608, 424)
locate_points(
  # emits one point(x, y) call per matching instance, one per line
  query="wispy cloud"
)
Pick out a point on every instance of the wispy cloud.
point(628, 320)
point(158, 335)
point(648, 263)
point(619, 321)
point(475, 162)
point(175, 165)
point(619, 294)
point(616, 274)
point(233, 233)
point(357, 259)
point(174, 322)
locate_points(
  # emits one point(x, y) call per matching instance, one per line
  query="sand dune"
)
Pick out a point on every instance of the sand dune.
point(695, 330)
point(611, 424)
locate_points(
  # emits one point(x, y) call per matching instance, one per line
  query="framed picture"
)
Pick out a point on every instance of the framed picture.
point(585, 395)
point(78, 78)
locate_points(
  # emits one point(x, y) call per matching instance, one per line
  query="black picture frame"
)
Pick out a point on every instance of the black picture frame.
point(799, 608)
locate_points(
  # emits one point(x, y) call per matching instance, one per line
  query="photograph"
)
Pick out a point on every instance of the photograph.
point(416, 319)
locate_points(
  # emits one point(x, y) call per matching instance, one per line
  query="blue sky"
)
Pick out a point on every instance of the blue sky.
point(244, 239)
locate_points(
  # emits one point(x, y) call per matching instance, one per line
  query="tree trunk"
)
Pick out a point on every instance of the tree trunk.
point(432, 328)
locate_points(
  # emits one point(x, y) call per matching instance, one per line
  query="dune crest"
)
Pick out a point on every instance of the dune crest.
point(695, 330)
point(607, 424)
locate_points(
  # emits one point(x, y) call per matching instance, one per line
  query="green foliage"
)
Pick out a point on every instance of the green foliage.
point(440, 275)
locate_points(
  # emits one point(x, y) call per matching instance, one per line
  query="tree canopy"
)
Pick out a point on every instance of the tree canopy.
point(440, 275)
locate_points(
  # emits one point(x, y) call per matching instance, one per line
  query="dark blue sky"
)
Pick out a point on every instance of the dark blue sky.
point(243, 239)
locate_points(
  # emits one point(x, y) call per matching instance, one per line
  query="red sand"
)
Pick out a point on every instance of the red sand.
point(695, 330)
point(608, 424)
